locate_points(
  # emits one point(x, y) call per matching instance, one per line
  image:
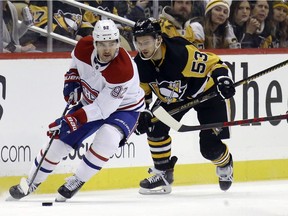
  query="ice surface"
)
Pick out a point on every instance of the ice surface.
point(266, 198)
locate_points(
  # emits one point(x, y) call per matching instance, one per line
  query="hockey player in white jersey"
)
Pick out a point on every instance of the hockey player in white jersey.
point(105, 84)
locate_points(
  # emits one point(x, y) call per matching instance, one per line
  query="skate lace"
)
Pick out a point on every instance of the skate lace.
point(32, 187)
point(73, 183)
point(225, 173)
point(158, 175)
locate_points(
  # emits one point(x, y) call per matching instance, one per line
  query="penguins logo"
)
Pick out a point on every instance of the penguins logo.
point(169, 91)
point(69, 21)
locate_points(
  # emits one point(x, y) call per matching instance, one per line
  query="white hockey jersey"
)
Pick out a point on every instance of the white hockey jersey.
point(106, 88)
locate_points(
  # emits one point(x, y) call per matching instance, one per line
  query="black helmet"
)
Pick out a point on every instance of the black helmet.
point(148, 26)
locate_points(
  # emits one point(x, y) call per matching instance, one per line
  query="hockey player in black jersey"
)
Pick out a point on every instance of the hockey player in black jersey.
point(176, 71)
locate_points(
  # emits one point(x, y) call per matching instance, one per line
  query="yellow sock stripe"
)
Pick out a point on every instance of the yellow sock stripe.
point(224, 158)
point(162, 155)
point(160, 143)
point(160, 149)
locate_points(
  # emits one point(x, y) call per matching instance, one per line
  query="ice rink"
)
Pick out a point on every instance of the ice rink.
point(266, 198)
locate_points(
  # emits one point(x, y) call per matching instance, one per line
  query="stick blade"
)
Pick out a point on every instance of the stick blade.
point(166, 118)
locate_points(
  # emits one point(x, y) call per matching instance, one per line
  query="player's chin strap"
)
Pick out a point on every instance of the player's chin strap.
point(167, 119)
point(211, 95)
point(26, 185)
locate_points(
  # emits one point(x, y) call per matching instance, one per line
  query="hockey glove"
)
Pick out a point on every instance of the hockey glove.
point(225, 87)
point(27, 16)
point(72, 85)
point(63, 126)
point(144, 122)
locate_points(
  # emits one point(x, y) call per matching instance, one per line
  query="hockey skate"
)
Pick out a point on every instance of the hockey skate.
point(17, 192)
point(225, 175)
point(69, 189)
point(160, 182)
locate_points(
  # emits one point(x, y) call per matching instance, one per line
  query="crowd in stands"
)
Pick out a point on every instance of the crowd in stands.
point(209, 24)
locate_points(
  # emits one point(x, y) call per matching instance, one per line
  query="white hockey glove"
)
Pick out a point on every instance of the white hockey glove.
point(27, 16)
point(72, 85)
point(225, 87)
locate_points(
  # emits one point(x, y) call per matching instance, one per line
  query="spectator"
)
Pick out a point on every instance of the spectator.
point(214, 30)
point(259, 26)
point(198, 8)
point(122, 7)
point(239, 15)
point(150, 9)
point(280, 10)
point(67, 21)
point(174, 19)
point(13, 31)
point(138, 10)
point(19, 6)
point(91, 17)
point(286, 41)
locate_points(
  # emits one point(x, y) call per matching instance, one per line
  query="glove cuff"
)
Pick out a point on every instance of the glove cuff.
point(80, 115)
point(148, 111)
point(226, 77)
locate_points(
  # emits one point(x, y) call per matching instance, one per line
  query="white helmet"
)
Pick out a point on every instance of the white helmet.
point(105, 30)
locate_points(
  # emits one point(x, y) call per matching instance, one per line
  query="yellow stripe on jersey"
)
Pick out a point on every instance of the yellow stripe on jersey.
point(146, 88)
point(200, 64)
point(40, 15)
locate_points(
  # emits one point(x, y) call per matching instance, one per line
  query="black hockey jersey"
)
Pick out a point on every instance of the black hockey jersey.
point(183, 72)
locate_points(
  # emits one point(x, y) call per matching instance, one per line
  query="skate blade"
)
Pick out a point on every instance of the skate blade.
point(24, 185)
point(156, 191)
point(60, 198)
point(11, 199)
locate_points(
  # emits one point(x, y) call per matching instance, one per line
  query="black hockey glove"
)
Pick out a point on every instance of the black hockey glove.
point(144, 122)
point(225, 87)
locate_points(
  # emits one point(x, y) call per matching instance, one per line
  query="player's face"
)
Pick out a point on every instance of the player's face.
point(145, 45)
point(106, 50)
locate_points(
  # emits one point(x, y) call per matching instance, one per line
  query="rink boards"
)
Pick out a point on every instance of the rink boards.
point(31, 98)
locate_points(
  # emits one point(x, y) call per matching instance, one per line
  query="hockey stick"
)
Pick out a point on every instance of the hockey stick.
point(211, 95)
point(167, 119)
point(23, 182)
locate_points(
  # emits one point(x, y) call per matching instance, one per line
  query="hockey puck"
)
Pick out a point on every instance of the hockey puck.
point(47, 203)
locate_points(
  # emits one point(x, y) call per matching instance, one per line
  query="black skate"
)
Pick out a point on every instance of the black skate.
point(160, 182)
point(69, 189)
point(17, 192)
point(225, 175)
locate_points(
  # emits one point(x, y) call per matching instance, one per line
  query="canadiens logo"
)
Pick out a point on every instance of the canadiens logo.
point(169, 91)
point(89, 94)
